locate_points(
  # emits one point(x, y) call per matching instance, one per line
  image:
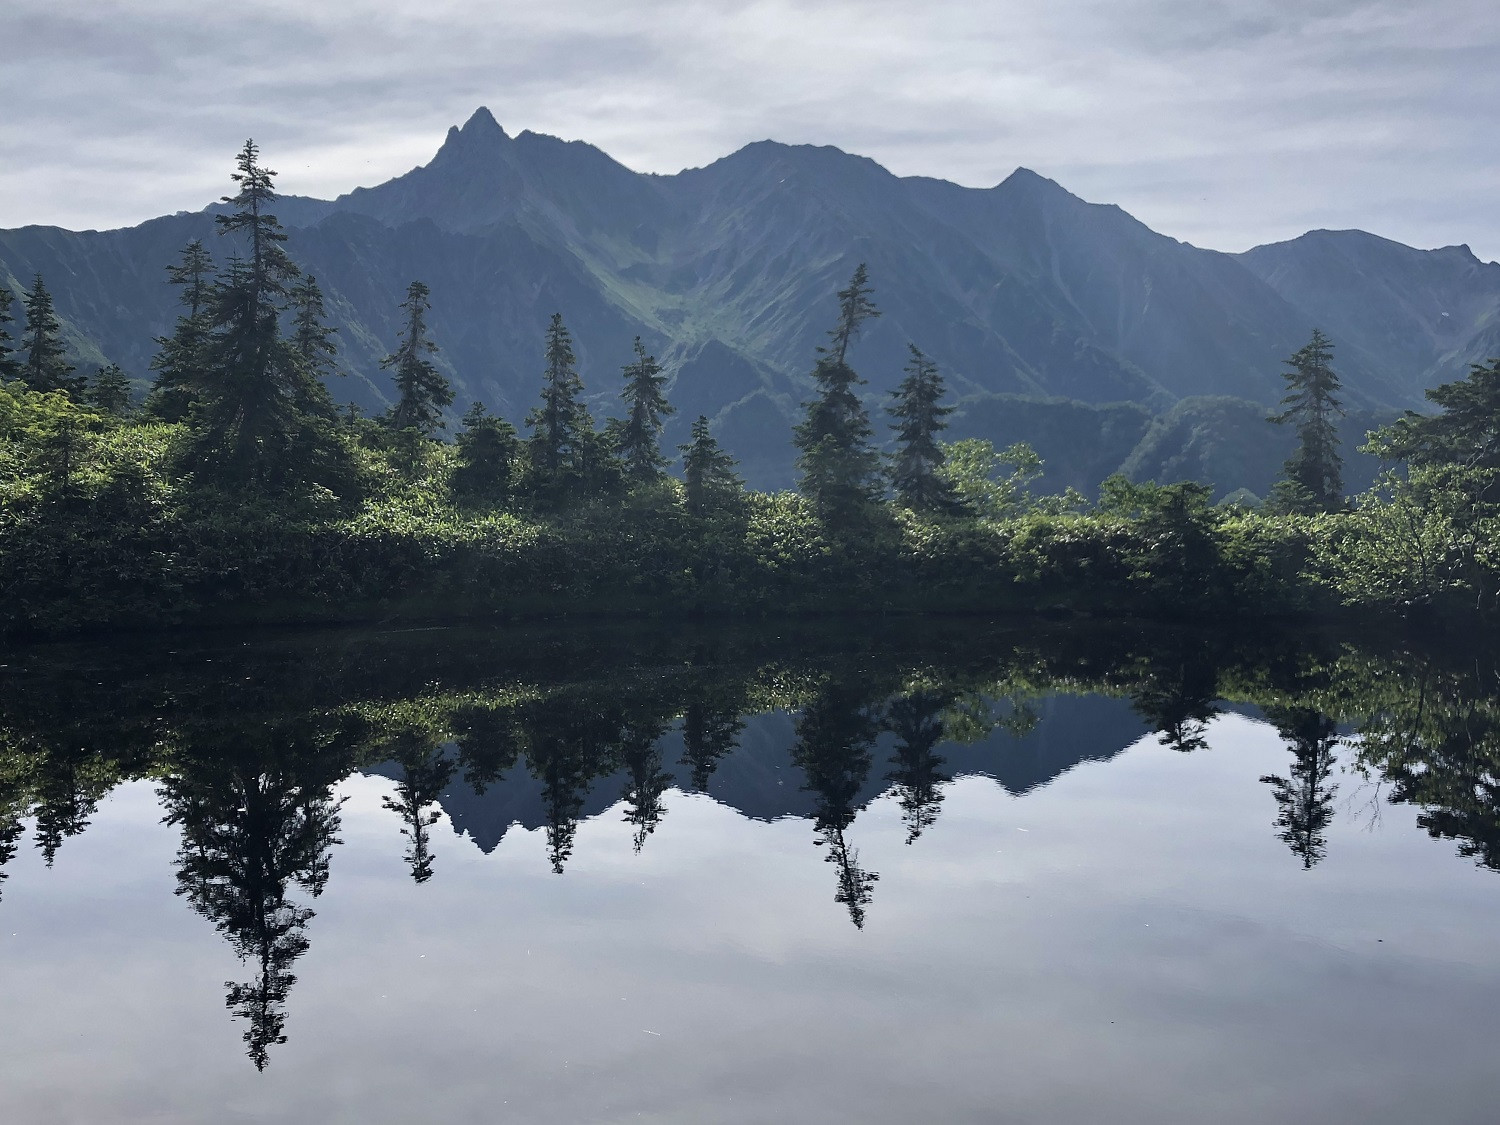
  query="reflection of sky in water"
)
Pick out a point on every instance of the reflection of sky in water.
point(1130, 943)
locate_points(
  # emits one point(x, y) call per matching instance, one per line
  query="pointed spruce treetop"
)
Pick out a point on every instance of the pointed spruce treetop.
point(43, 367)
point(422, 389)
point(270, 268)
point(855, 307)
point(1312, 479)
point(559, 421)
point(646, 404)
point(110, 391)
point(707, 471)
point(920, 418)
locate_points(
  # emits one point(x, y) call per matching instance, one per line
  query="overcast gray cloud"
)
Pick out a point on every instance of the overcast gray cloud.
point(1222, 123)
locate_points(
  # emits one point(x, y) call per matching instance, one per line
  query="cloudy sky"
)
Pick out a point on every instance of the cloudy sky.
point(1222, 122)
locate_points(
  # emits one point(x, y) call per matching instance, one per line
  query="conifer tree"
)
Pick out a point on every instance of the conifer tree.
point(181, 357)
point(487, 450)
point(839, 465)
point(312, 341)
point(43, 367)
point(422, 391)
point(1466, 432)
point(561, 427)
point(708, 472)
point(639, 439)
point(916, 469)
point(1313, 477)
point(249, 425)
point(110, 391)
point(10, 363)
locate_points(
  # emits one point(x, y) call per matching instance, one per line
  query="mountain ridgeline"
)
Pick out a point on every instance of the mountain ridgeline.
point(1067, 324)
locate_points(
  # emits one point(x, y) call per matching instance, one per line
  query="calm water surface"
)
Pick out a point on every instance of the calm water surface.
point(977, 873)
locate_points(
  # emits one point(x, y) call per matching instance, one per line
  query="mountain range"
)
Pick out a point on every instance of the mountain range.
point(761, 780)
point(1067, 323)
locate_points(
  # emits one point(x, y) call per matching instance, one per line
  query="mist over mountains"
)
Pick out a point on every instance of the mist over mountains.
point(1066, 323)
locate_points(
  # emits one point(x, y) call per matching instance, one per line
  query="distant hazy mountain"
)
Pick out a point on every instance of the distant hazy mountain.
point(729, 271)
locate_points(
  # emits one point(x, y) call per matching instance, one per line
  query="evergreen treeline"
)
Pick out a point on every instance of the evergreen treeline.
point(236, 480)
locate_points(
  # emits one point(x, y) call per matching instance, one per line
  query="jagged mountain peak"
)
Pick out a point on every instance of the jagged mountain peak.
point(480, 129)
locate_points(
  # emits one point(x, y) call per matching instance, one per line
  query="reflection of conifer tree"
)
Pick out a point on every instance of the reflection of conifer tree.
point(1436, 738)
point(568, 746)
point(917, 721)
point(11, 830)
point(487, 745)
point(1306, 798)
point(253, 823)
point(1177, 697)
point(425, 773)
point(834, 738)
point(709, 732)
point(69, 788)
point(647, 782)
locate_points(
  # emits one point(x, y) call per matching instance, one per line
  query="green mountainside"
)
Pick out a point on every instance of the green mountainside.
point(1064, 323)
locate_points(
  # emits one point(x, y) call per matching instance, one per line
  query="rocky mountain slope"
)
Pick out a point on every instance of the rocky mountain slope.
point(1033, 301)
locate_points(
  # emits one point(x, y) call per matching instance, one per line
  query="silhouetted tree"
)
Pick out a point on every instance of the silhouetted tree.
point(425, 773)
point(916, 468)
point(646, 782)
point(250, 429)
point(1305, 799)
point(839, 466)
point(43, 366)
point(561, 426)
point(488, 744)
point(1313, 478)
point(312, 341)
point(182, 357)
point(487, 452)
point(11, 830)
point(1177, 695)
point(710, 731)
point(110, 391)
point(835, 734)
point(10, 362)
point(422, 391)
point(567, 747)
point(638, 439)
point(708, 472)
point(255, 820)
point(917, 722)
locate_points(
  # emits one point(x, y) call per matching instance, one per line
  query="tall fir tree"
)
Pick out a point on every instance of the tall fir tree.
point(43, 363)
point(249, 426)
point(10, 362)
point(562, 430)
point(638, 440)
point(839, 466)
point(708, 472)
point(312, 341)
point(916, 467)
point(422, 391)
point(181, 357)
point(1312, 478)
point(110, 390)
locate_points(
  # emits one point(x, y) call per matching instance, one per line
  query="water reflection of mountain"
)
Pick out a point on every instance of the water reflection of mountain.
point(761, 781)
